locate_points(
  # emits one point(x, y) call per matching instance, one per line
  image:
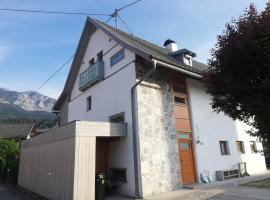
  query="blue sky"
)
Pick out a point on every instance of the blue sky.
point(33, 46)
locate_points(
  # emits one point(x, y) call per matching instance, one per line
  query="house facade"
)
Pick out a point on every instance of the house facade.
point(172, 132)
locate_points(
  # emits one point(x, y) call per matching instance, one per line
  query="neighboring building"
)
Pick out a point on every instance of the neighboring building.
point(16, 131)
point(172, 132)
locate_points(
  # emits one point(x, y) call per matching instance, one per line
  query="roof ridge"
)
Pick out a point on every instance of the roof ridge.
point(162, 49)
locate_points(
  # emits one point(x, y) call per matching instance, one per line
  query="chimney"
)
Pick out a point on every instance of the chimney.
point(170, 45)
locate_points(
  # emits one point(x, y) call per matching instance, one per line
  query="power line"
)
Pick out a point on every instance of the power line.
point(125, 24)
point(52, 12)
point(39, 87)
point(109, 19)
point(129, 5)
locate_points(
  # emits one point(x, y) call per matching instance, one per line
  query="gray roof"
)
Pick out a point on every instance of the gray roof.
point(15, 131)
point(152, 49)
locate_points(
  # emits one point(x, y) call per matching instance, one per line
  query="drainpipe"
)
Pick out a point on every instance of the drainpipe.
point(135, 131)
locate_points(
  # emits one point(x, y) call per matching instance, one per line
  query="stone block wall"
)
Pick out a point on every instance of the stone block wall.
point(158, 148)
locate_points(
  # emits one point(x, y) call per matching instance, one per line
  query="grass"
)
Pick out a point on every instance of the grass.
point(265, 183)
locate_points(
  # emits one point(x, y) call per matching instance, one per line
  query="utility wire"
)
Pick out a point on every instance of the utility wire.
point(38, 88)
point(125, 24)
point(109, 19)
point(129, 5)
point(53, 12)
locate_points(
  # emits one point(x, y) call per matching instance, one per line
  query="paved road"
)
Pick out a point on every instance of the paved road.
point(223, 192)
point(10, 193)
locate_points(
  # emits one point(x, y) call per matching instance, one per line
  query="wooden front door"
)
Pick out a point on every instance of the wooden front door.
point(184, 131)
point(186, 161)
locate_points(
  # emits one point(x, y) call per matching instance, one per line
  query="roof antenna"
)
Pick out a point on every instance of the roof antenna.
point(115, 14)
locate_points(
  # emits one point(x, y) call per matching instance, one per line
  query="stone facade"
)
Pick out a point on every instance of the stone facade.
point(159, 156)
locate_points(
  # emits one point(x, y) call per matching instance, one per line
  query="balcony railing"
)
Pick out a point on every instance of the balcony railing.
point(91, 76)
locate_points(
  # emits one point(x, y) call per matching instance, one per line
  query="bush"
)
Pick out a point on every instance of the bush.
point(9, 160)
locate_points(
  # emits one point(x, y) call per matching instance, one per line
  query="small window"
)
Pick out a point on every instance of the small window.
point(120, 55)
point(180, 100)
point(118, 118)
point(92, 62)
point(119, 174)
point(89, 103)
point(240, 147)
point(184, 145)
point(100, 56)
point(224, 147)
point(253, 147)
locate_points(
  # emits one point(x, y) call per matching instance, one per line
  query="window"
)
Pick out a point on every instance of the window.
point(253, 147)
point(118, 118)
point(240, 147)
point(100, 56)
point(89, 103)
point(184, 145)
point(119, 174)
point(224, 147)
point(180, 100)
point(92, 62)
point(118, 57)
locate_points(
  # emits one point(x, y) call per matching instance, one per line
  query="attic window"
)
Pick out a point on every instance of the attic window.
point(188, 60)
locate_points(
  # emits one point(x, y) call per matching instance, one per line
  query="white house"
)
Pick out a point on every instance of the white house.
point(172, 132)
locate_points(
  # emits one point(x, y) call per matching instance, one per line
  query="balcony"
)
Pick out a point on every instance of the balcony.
point(91, 76)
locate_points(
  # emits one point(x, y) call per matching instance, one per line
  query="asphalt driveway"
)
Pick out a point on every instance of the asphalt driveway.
point(9, 192)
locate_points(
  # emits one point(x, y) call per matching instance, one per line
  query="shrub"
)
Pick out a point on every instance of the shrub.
point(9, 160)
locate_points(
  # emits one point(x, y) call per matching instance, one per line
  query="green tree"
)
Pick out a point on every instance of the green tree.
point(239, 71)
point(9, 159)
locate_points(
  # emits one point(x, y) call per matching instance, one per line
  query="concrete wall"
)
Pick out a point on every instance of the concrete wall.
point(60, 164)
point(158, 146)
point(210, 128)
point(109, 97)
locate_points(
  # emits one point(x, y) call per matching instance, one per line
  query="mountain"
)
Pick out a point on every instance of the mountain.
point(28, 105)
point(29, 100)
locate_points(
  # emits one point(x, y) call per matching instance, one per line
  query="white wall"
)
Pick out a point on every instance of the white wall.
point(109, 97)
point(211, 128)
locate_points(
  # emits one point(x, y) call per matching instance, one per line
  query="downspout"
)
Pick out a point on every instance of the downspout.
point(135, 131)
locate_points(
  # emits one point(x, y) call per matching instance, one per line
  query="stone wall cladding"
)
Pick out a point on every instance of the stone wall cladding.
point(159, 156)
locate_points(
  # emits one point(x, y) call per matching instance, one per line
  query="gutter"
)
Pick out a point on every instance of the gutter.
point(183, 71)
point(138, 193)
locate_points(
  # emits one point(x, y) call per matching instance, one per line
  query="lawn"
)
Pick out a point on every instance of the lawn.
point(265, 183)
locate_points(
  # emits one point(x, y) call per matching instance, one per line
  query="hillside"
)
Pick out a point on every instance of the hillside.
point(25, 105)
